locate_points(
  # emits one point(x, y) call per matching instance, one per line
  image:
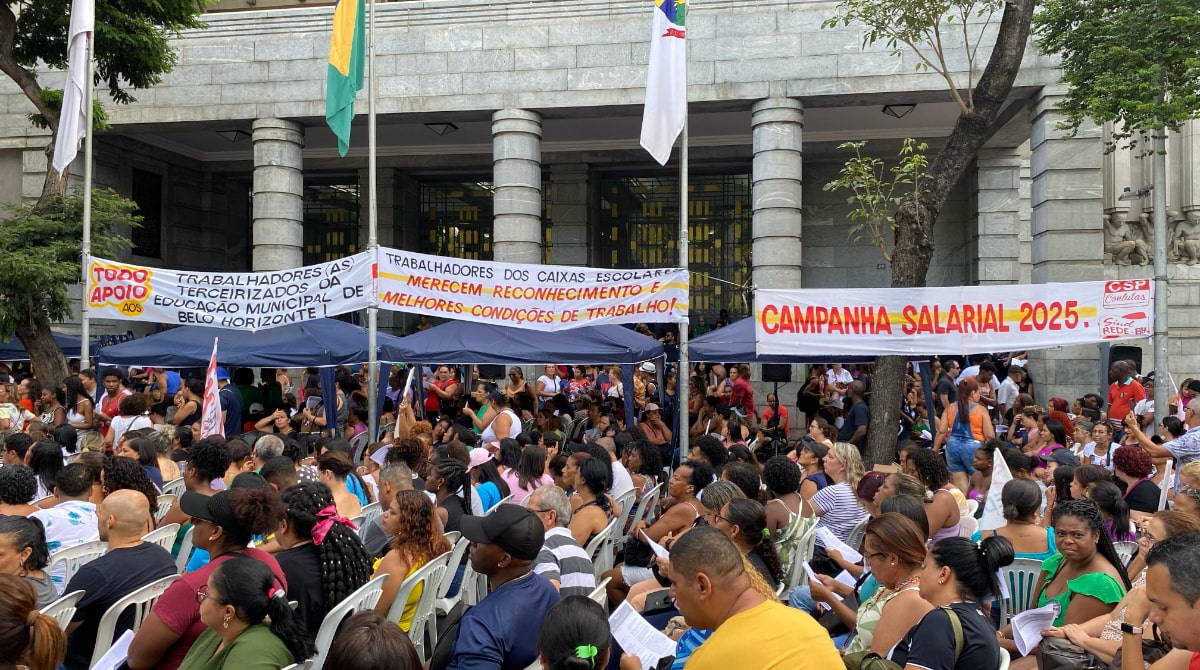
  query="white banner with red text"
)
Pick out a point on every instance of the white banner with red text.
point(239, 300)
point(536, 297)
point(945, 320)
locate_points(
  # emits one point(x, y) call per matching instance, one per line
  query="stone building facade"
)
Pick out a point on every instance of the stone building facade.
point(509, 131)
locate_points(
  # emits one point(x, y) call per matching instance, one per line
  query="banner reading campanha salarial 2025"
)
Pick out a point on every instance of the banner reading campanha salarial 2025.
point(960, 319)
point(238, 300)
point(535, 297)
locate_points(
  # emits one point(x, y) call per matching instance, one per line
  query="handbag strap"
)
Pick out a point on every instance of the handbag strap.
point(956, 626)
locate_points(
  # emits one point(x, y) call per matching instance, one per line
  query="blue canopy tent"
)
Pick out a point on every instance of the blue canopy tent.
point(465, 342)
point(13, 350)
point(319, 343)
point(322, 343)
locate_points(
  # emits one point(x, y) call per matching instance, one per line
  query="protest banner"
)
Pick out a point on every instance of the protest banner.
point(536, 297)
point(950, 320)
point(243, 301)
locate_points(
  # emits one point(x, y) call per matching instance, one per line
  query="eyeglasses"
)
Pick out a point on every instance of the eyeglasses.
point(1143, 534)
point(870, 557)
point(202, 593)
point(718, 516)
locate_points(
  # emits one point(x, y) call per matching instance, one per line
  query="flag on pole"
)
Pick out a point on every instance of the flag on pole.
point(210, 416)
point(345, 77)
point(72, 120)
point(666, 80)
point(993, 508)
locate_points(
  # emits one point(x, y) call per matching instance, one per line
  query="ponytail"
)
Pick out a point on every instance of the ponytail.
point(287, 627)
point(751, 519)
point(27, 636)
point(575, 635)
point(975, 566)
point(47, 644)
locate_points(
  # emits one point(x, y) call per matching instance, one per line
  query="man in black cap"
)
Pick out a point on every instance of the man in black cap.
point(501, 631)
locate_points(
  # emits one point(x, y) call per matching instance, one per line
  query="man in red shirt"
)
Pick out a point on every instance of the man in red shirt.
point(1123, 394)
point(741, 395)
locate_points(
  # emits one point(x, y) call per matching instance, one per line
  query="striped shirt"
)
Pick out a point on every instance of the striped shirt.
point(564, 561)
point(840, 510)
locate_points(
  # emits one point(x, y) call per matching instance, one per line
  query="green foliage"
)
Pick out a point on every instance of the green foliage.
point(131, 47)
point(53, 97)
point(877, 190)
point(929, 28)
point(1134, 63)
point(40, 253)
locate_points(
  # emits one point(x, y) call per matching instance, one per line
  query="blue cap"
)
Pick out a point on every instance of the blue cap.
point(222, 374)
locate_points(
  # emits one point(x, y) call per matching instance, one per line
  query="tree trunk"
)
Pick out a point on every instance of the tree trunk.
point(47, 358)
point(914, 220)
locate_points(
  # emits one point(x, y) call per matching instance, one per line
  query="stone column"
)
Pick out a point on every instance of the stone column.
point(1190, 159)
point(517, 178)
point(278, 195)
point(1068, 233)
point(569, 213)
point(998, 216)
point(777, 125)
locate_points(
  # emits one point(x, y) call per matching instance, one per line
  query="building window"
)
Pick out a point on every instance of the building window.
point(638, 227)
point(456, 218)
point(330, 218)
point(147, 191)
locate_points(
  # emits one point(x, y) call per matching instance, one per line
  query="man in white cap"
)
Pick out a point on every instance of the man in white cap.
point(643, 384)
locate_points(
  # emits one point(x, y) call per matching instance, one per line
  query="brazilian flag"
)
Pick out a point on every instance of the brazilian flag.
point(346, 58)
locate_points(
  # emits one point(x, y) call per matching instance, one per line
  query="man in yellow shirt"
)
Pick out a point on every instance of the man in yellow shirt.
point(713, 592)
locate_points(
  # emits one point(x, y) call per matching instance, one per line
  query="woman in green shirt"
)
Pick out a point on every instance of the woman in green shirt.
point(1086, 577)
point(241, 594)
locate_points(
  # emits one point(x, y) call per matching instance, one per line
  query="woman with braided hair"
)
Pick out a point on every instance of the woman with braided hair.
point(1086, 578)
point(322, 557)
point(411, 521)
point(451, 485)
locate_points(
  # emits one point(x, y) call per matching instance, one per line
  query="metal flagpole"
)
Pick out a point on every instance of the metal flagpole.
point(372, 233)
point(84, 325)
point(684, 375)
point(1159, 200)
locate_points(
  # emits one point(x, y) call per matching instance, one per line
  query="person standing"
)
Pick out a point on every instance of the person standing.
point(854, 428)
point(231, 404)
point(1123, 393)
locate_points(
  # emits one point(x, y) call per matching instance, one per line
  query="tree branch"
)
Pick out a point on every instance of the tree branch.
point(23, 78)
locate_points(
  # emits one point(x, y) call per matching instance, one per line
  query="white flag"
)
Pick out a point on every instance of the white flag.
point(993, 508)
point(666, 80)
point(210, 415)
point(72, 121)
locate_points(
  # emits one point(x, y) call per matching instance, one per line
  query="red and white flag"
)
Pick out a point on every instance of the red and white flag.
point(666, 80)
point(72, 120)
point(993, 508)
point(210, 417)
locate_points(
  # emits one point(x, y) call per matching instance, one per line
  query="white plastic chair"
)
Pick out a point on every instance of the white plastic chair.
point(600, 549)
point(442, 602)
point(1125, 550)
point(185, 549)
point(1005, 659)
point(164, 536)
point(365, 598)
point(855, 538)
point(1168, 481)
point(428, 577)
point(141, 600)
point(175, 487)
point(1021, 577)
point(803, 552)
point(452, 537)
point(503, 501)
point(370, 513)
point(358, 444)
point(63, 609)
point(76, 557)
point(645, 507)
point(626, 502)
point(165, 502)
point(599, 594)
point(972, 507)
point(967, 526)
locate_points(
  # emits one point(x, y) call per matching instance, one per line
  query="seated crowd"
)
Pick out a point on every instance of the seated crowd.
point(808, 558)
